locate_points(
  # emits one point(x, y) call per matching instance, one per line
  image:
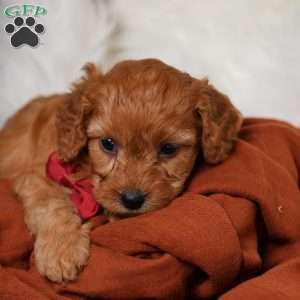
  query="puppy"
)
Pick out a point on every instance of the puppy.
point(135, 131)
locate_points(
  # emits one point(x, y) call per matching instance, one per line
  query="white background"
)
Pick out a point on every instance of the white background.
point(249, 49)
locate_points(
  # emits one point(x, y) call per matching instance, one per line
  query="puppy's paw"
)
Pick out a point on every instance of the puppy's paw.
point(60, 255)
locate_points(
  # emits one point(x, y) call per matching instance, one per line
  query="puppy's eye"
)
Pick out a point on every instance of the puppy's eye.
point(168, 149)
point(108, 145)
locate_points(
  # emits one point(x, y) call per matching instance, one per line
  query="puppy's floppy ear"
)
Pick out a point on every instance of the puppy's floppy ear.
point(72, 117)
point(221, 121)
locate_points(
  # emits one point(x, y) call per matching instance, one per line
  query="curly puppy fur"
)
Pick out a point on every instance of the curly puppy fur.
point(141, 105)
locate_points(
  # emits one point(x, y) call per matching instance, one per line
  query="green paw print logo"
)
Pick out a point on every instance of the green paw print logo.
point(24, 30)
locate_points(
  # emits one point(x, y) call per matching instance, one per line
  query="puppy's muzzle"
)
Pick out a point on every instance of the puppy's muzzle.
point(132, 199)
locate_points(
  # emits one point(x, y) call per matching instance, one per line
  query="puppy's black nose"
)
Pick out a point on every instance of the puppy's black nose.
point(132, 199)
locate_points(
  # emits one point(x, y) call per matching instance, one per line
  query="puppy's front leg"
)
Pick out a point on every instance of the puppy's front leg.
point(62, 242)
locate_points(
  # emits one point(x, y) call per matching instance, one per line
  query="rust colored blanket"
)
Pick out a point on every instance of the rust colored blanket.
point(234, 234)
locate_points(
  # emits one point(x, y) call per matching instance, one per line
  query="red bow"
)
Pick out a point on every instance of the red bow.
point(82, 190)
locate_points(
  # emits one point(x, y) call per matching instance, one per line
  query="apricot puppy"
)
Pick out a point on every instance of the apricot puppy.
point(135, 131)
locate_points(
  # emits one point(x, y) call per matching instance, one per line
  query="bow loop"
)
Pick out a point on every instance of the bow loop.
point(82, 190)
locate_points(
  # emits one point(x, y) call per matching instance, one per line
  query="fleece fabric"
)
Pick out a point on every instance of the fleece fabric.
point(234, 234)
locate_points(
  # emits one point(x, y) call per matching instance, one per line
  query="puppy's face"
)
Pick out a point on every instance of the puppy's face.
point(142, 144)
point(144, 125)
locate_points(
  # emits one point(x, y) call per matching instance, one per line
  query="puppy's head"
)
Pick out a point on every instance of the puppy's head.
point(143, 124)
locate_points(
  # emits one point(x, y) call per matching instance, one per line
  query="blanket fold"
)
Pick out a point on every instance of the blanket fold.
point(233, 234)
